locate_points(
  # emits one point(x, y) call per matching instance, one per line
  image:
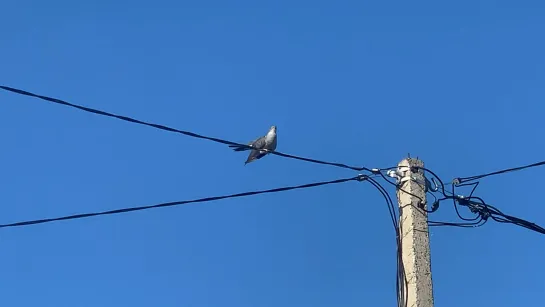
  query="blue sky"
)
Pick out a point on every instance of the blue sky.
point(460, 85)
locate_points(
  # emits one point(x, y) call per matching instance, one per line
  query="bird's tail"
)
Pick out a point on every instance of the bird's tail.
point(238, 148)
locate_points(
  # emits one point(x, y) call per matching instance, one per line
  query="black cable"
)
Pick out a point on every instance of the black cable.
point(466, 179)
point(401, 277)
point(484, 212)
point(475, 224)
point(398, 187)
point(195, 135)
point(494, 213)
point(389, 201)
point(455, 199)
point(442, 185)
point(481, 210)
point(176, 203)
point(473, 184)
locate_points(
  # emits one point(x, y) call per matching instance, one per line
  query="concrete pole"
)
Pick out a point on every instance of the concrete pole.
point(415, 244)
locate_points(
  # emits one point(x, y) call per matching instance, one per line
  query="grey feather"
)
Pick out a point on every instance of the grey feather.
point(260, 146)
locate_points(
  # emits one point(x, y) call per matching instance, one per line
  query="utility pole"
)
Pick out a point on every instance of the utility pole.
point(413, 228)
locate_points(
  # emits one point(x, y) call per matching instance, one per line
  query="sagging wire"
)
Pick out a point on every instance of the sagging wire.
point(166, 128)
point(488, 211)
point(183, 202)
point(476, 205)
point(401, 276)
point(461, 180)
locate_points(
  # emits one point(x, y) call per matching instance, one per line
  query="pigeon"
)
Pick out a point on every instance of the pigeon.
point(260, 146)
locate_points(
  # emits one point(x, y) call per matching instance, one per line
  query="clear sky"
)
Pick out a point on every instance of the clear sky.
point(459, 85)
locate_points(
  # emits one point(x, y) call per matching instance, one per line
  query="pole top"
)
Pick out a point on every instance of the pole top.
point(408, 162)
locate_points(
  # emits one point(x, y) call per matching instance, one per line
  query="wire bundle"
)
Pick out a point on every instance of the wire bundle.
point(481, 210)
point(401, 276)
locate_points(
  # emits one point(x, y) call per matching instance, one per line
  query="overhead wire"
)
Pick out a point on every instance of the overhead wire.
point(503, 171)
point(165, 128)
point(462, 225)
point(401, 271)
point(177, 203)
point(481, 210)
point(401, 276)
point(399, 188)
point(488, 211)
point(455, 202)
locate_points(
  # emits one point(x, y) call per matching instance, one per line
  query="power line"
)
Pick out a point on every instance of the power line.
point(483, 211)
point(475, 224)
point(162, 127)
point(514, 169)
point(177, 203)
point(486, 211)
point(401, 277)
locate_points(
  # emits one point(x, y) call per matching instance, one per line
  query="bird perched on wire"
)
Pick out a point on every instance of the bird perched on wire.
point(260, 146)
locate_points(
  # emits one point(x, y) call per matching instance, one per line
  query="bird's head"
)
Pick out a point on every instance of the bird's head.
point(273, 129)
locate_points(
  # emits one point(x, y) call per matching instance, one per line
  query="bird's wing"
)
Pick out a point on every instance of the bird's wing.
point(257, 152)
point(255, 155)
point(258, 143)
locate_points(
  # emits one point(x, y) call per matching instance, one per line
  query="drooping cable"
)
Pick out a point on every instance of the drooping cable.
point(177, 203)
point(483, 212)
point(477, 205)
point(401, 277)
point(503, 171)
point(165, 128)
